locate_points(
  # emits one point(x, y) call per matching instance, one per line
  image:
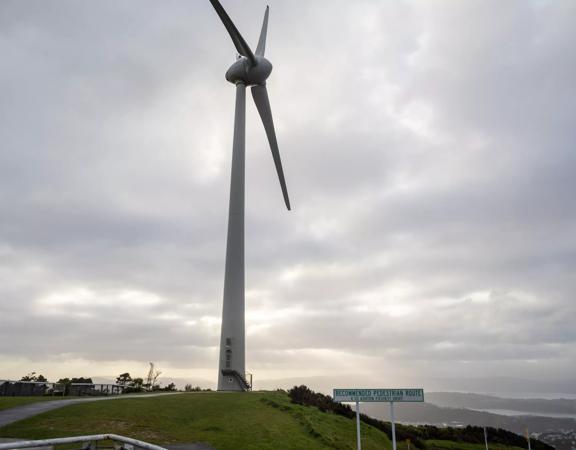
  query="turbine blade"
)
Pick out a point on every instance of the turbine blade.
point(241, 46)
point(260, 95)
point(262, 41)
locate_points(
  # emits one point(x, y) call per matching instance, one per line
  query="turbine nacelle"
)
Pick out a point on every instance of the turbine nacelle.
point(243, 71)
point(252, 69)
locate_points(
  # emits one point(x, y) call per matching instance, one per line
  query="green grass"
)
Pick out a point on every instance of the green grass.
point(257, 420)
point(450, 445)
point(12, 402)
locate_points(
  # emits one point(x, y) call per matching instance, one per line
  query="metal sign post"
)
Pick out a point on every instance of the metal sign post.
point(393, 425)
point(377, 395)
point(358, 442)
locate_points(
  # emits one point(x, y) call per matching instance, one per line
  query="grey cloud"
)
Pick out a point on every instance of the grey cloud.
point(429, 148)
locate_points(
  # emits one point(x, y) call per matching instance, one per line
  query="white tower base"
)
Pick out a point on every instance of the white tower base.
point(231, 370)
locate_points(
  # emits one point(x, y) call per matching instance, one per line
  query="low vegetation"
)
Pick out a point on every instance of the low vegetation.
point(422, 436)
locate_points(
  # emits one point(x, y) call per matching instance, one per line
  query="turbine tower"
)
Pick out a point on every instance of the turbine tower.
point(250, 69)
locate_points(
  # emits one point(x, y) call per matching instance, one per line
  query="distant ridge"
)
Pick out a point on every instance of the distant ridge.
point(483, 402)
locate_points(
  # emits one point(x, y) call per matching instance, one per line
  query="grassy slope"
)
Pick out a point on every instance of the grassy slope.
point(11, 402)
point(255, 420)
point(259, 420)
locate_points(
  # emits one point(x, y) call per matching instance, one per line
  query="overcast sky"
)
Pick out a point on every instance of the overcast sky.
point(429, 152)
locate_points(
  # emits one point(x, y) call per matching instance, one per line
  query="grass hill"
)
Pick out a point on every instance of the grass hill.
point(256, 420)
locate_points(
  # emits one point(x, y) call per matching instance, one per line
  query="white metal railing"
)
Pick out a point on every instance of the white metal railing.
point(130, 443)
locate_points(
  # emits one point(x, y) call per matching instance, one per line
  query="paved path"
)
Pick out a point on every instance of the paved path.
point(10, 415)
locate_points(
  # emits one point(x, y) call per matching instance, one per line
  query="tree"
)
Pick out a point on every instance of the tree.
point(124, 379)
point(156, 375)
point(171, 387)
point(135, 385)
point(30, 377)
point(137, 382)
point(33, 377)
point(152, 377)
point(149, 377)
point(82, 380)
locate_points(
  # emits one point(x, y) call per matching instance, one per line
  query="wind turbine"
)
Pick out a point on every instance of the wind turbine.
point(250, 69)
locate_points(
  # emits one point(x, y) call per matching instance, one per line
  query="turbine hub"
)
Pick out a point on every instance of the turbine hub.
point(242, 72)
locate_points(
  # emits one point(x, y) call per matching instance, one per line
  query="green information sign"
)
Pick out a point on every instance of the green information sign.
point(378, 395)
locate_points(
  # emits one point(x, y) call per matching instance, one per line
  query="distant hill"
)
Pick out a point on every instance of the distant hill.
point(433, 414)
point(480, 401)
point(427, 413)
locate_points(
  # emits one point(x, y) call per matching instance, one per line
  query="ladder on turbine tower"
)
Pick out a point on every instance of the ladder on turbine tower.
point(244, 380)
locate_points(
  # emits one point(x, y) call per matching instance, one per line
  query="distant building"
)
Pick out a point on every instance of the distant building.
point(12, 388)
